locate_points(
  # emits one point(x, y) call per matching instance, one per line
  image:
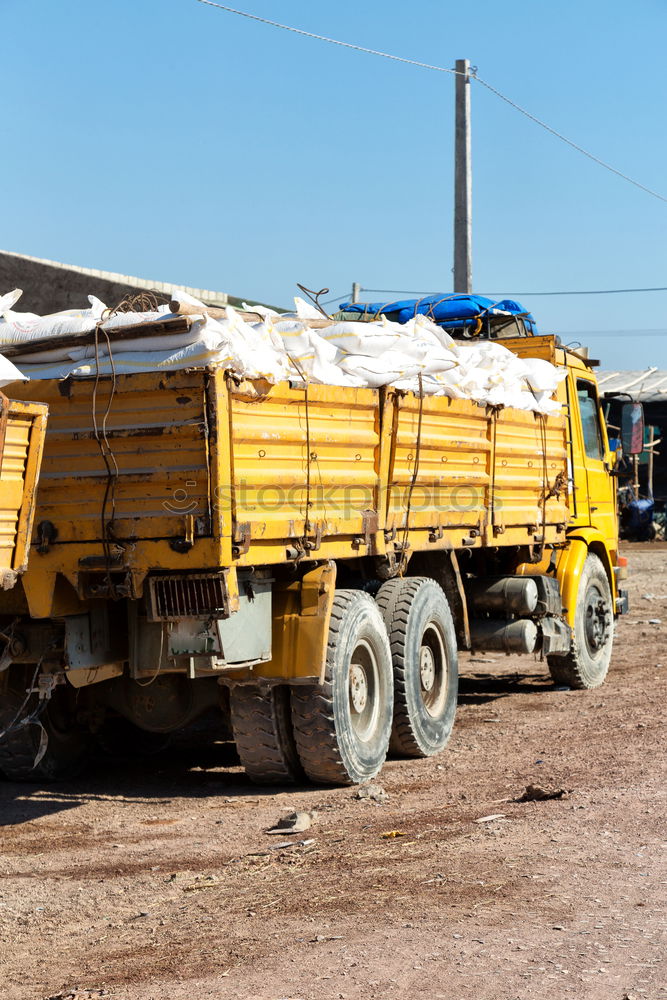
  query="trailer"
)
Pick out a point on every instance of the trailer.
point(22, 434)
point(307, 559)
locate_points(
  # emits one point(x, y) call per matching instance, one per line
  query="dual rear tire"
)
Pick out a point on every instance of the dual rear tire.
point(263, 734)
point(425, 660)
point(342, 727)
point(390, 682)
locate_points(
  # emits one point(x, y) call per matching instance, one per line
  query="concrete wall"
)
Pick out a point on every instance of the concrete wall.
point(50, 287)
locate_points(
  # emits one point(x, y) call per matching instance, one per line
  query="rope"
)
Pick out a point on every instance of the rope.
point(545, 482)
point(106, 452)
point(403, 565)
point(431, 308)
point(306, 523)
point(33, 717)
point(494, 463)
point(156, 672)
point(139, 302)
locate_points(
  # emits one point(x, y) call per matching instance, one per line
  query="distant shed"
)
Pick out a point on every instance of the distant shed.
point(648, 387)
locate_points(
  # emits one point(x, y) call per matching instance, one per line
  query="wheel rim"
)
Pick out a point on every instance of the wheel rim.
point(364, 691)
point(597, 621)
point(433, 672)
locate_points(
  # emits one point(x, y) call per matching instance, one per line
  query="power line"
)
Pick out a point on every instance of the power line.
point(597, 291)
point(332, 41)
point(563, 138)
point(334, 298)
point(440, 69)
point(603, 291)
point(583, 334)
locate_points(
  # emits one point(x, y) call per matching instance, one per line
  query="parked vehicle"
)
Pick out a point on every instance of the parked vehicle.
point(307, 559)
point(22, 435)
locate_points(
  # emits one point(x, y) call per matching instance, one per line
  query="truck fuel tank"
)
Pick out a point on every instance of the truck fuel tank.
point(516, 595)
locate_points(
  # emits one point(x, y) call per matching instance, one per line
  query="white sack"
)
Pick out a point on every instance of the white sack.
point(278, 348)
point(9, 372)
point(9, 299)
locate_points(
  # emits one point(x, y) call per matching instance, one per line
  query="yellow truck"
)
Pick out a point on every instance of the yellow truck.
point(22, 435)
point(306, 558)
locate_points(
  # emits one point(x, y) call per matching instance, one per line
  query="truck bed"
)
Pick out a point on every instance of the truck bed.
point(191, 470)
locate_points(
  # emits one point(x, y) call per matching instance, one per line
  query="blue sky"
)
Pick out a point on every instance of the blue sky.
point(173, 141)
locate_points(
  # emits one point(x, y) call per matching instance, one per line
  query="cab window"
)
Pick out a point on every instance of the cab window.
point(590, 419)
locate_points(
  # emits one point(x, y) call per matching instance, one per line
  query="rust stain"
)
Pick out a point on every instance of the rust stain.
point(121, 432)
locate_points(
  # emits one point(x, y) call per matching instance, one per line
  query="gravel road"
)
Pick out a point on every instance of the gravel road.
point(160, 883)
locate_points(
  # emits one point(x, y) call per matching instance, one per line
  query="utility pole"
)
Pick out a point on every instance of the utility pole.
point(462, 182)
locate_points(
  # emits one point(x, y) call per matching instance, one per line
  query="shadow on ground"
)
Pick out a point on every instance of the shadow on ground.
point(480, 688)
point(178, 772)
point(188, 769)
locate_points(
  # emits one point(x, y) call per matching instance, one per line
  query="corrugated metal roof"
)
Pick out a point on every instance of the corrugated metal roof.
point(648, 386)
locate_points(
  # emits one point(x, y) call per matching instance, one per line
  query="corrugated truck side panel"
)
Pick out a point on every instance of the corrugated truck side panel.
point(19, 471)
point(140, 442)
point(466, 475)
point(306, 469)
point(212, 473)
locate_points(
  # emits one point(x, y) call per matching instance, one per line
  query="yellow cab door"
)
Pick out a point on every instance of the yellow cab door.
point(595, 489)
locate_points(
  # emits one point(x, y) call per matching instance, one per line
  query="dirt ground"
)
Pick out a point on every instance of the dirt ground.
point(161, 884)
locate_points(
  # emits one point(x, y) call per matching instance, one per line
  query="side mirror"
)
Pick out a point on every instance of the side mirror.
point(632, 428)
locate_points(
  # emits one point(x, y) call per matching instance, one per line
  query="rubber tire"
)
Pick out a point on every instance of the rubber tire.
point(68, 745)
point(262, 728)
point(579, 668)
point(408, 606)
point(330, 749)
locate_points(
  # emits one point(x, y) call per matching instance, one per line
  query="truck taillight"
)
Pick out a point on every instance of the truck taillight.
point(622, 567)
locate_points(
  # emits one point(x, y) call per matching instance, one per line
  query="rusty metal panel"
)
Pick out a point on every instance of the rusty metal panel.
point(303, 456)
point(19, 469)
point(153, 429)
point(530, 451)
point(452, 457)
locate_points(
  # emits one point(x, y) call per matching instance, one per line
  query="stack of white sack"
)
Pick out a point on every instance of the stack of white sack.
point(8, 372)
point(277, 347)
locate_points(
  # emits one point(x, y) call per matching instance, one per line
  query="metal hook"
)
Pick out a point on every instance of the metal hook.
point(315, 297)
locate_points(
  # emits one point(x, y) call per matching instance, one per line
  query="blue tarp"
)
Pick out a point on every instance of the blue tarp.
point(447, 310)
